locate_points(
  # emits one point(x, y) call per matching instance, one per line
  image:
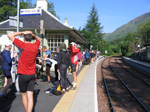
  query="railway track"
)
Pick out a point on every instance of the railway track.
point(120, 95)
point(136, 73)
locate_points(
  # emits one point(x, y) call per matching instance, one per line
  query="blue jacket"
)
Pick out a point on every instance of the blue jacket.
point(87, 55)
point(7, 60)
point(49, 56)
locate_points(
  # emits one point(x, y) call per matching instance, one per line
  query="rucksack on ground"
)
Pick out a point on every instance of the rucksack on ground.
point(55, 90)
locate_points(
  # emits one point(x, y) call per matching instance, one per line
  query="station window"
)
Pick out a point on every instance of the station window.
point(54, 40)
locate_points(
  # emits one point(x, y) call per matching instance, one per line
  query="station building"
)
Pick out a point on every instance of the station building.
point(55, 32)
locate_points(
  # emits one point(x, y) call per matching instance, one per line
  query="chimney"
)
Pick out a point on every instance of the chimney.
point(66, 23)
point(43, 4)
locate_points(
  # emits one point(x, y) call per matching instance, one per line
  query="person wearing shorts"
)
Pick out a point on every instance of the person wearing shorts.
point(7, 64)
point(48, 64)
point(73, 67)
point(26, 65)
point(74, 60)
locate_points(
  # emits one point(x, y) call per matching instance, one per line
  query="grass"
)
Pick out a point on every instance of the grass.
point(115, 54)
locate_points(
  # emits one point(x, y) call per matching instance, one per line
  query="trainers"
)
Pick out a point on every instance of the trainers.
point(73, 88)
point(63, 90)
point(67, 89)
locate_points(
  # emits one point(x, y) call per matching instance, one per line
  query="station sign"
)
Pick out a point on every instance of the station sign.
point(30, 12)
point(13, 22)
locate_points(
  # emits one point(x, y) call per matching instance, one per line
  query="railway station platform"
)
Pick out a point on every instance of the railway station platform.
point(82, 99)
point(144, 66)
point(138, 62)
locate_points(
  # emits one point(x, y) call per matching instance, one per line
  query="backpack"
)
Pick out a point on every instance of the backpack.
point(55, 90)
point(1, 61)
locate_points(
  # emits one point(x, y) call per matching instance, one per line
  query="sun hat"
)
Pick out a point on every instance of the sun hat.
point(8, 43)
point(73, 43)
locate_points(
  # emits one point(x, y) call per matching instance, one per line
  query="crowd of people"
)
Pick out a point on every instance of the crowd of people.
point(32, 55)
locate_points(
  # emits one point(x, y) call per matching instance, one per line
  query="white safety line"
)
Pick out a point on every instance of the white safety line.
point(96, 102)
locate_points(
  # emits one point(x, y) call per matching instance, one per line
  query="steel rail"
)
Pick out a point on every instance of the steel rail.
point(108, 94)
point(129, 89)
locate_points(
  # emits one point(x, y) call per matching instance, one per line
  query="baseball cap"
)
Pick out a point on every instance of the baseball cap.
point(73, 43)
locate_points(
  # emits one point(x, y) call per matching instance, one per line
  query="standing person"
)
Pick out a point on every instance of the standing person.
point(87, 56)
point(83, 57)
point(38, 61)
point(56, 57)
point(7, 64)
point(79, 61)
point(74, 60)
point(26, 66)
point(48, 64)
point(63, 63)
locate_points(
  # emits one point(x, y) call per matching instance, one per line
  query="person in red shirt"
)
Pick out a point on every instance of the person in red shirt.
point(74, 60)
point(26, 66)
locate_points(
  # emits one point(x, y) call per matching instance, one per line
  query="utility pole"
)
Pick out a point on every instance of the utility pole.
point(18, 11)
point(42, 32)
point(14, 67)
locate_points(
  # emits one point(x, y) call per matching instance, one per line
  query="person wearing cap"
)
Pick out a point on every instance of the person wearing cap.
point(26, 65)
point(7, 64)
point(74, 60)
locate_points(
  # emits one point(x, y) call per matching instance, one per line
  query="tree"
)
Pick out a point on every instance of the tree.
point(7, 8)
point(128, 45)
point(144, 32)
point(93, 26)
point(26, 4)
point(93, 30)
point(51, 9)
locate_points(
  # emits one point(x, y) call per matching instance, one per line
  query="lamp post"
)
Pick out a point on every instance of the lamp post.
point(139, 46)
point(90, 44)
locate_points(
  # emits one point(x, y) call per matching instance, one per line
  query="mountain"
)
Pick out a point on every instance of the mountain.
point(130, 27)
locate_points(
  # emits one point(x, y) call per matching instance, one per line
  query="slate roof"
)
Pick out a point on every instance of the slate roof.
point(33, 22)
point(51, 23)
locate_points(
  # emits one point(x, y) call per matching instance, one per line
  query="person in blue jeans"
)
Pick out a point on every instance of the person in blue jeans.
point(48, 64)
point(7, 64)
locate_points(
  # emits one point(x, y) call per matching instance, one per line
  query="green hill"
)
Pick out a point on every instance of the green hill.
point(130, 27)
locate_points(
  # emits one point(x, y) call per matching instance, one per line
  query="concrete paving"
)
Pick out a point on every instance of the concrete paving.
point(86, 98)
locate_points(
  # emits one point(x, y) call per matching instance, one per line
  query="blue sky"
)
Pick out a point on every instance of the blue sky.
point(112, 13)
